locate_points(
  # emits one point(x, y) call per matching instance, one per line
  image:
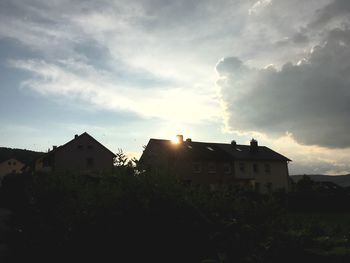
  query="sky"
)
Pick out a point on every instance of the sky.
point(127, 71)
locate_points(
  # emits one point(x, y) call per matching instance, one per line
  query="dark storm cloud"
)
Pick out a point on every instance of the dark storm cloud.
point(310, 99)
point(334, 10)
point(298, 38)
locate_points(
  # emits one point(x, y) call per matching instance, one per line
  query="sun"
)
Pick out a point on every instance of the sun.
point(175, 140)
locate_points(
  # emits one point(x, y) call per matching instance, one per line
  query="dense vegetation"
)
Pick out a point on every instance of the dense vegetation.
point(134, 217)
point(25, 156)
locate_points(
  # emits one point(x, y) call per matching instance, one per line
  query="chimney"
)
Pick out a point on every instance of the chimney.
point(180, 138)
point(253, 145)
point(54, 147)
point(233, 143)
point(76, 136)
point(188, 140)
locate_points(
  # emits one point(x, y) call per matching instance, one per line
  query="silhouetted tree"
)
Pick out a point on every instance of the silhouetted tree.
point(305, 184)
point(120, 160)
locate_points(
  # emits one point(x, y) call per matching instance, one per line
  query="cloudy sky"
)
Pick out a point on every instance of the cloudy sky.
point(126, 71)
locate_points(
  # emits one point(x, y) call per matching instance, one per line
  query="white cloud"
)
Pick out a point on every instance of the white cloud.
point(309, 99)
point(157, 58)
point(259, 5)
point(75, 80)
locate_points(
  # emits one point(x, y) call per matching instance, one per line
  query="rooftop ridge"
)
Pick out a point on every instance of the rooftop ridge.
point(155, 139)
point(238, 151)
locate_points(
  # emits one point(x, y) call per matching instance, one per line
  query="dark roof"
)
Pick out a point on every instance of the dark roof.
point(218, 151)
point(245, 152)
point(76, 138)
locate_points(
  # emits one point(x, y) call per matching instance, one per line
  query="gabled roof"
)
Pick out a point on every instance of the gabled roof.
point(73, 140)
point(245, 152)
point(192, 150)
point(216, 151)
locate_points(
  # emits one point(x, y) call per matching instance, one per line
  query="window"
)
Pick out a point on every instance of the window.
point(255, 168)
point(227, 168)
point(212, 187)
point(242, 167)
point(187, 182)
point(14, 163)
point(211, 168)
point(90, 147)
point(90, 162)
point(269, 187)
point(257, 187)
point(197, 167)
point(9, 163)
point(267, 168)
point(80, 147)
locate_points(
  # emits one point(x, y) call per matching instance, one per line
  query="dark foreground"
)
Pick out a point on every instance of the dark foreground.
point(128, 218)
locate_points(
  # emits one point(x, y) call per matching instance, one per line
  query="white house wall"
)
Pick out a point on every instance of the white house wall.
point(278, 175)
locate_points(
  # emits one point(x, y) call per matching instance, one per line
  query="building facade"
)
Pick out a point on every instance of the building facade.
point(83, 154)
point(218, 163)
point(10, 166)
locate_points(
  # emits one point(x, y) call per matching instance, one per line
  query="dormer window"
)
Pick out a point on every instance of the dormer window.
point(210, 149)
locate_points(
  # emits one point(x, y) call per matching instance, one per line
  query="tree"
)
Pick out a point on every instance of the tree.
point(305, 184)
point(120, 160)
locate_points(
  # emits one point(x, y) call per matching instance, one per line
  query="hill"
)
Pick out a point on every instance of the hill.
point(25, 156)
point(341, 180)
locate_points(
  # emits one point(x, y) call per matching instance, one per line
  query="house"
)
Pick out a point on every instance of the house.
point(83, 154)
point(218, 163)
point(10, 166)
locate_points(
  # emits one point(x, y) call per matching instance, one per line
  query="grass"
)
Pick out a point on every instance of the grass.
point(334, 224)
point(323, 234)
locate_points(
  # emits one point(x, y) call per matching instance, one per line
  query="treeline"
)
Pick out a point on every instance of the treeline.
point(308, 196)
point(25, 156)
point(129, 216)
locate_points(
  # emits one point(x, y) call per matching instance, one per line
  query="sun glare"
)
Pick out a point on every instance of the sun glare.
point(176, 140)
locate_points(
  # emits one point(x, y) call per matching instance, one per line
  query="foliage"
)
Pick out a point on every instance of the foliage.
point(305, 184)
point(24, 156)
point(132, 217)
point(121, 159)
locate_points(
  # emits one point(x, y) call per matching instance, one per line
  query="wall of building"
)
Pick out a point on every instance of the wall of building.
point(83, 155)
point(277, 176)
point(40, 167)
point(204, 172)
point(10, 166)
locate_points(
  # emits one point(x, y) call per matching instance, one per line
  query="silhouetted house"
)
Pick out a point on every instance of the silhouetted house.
point(83, 154)
point(218, 163)
point(10, 166)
